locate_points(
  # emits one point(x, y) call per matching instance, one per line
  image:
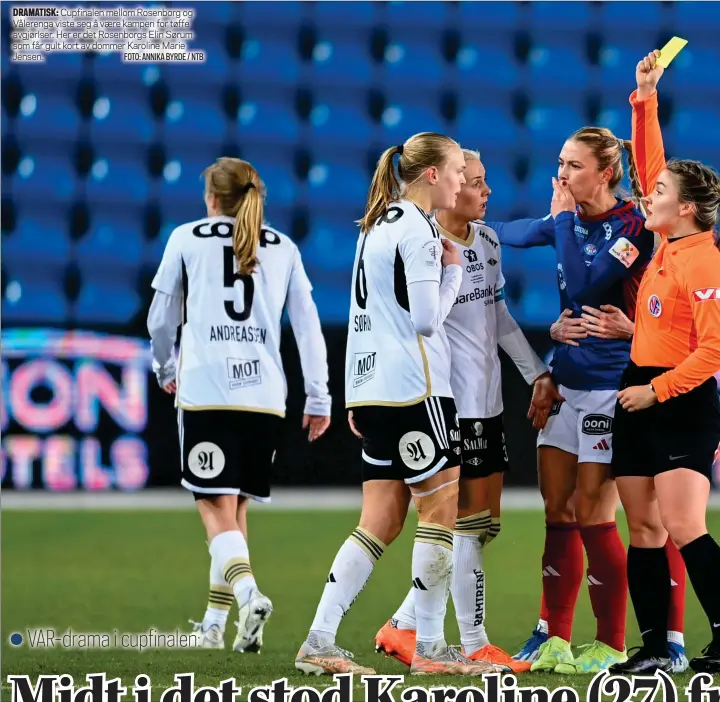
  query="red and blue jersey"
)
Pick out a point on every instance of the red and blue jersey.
point(600, 261)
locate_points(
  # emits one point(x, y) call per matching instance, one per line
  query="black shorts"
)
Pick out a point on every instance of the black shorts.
point(483, 449)
point(682, 432)
point(226, 452)
point(408, 443)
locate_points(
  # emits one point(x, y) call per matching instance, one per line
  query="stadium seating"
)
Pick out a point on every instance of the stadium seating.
point(311, 93)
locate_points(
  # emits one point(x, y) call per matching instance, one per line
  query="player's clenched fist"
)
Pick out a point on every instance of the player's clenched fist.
point(647, 74)
point(451, 254)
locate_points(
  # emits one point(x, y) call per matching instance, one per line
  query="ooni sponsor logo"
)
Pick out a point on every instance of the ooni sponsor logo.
point(73, 407)
point(596, 424)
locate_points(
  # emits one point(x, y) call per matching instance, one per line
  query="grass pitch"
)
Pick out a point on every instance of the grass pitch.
point(131, 571)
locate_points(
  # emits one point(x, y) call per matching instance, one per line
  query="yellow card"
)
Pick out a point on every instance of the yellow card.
point(670, 51)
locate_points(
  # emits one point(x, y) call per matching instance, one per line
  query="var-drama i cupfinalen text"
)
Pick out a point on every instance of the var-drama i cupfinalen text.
point(495, 687)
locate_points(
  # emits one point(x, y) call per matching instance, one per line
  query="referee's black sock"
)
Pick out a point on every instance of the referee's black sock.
point(702, 559)
point(649, 584)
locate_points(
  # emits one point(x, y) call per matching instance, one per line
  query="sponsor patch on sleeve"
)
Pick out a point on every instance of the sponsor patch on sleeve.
point(707, 294)
point(624, 251)
point(432, 253)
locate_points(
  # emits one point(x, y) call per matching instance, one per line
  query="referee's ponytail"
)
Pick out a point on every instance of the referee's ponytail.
point(240, 194)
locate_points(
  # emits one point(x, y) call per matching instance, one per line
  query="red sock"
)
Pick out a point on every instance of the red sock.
point(676, 615)
point(607, 581)
point(562, 574)
point(543, 609)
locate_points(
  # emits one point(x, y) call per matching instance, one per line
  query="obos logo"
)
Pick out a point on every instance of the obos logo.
point(417, 450)
point(655, 306)
point(470, 255)
point(206, 460)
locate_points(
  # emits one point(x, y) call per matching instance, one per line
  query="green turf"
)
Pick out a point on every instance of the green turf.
point(130, 571)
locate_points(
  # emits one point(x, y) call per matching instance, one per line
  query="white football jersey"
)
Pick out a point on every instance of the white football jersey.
point(230, 346)
point(387, 361)
point(472, 327)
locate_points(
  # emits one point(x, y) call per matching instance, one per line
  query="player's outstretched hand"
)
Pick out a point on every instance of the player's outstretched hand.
point(647, 74)
point(562, 200)
point(353, 428)
point(609, 322)
point(170, 388)
point(566, 329)
point(451, 253)
point(545, 394)
point(637, 397)
point(317, 424)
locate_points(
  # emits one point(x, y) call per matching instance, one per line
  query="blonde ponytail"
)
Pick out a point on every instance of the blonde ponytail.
point(240, 194)
point(384, 188)
point(246, 232)
point(638, 194)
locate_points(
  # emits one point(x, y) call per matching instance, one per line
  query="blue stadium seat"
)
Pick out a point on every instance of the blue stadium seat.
point(112, 242)
point(487, 18)
point(279, 180)
point(334, 186)
point(539, 191)
point(60, 70)
point(342, 64)
point(199, 77)
point(111, 72)
point(473, 63)
point(410, 15)
point(332, 125)
point(504, 188)
point(616, 114)
point(261, 15)
point(399, 122)
point(639, 22)
point(217, 14)
point(263, 120)
point(122, 118)
point(617, 62)
point(182, 181)
point(33, 297)
point(344, 16)
point(117, 181)
point(557, 69)
point(268, 61)
point(409, 64)
point(486, 128)
point(547, 16)
point(331, 244)
point(551, 125)
point(540, 304)
point(43, 179)
point(54, 118)
point(40, 239)
point(104, 300)
point(695, 130)
point(694, 72)
point(696, 19)
point(193, 120)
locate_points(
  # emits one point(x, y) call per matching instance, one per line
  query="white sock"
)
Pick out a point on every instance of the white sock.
point(431, 574)
point(220, 598)
point(350, 570)
point(676, 637)
point(405, 615)
point(468, 592)
point(229, 549)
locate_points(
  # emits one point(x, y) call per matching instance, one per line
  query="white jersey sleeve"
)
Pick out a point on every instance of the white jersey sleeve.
point(310, 341)
point(421, 254)
point(168, 278)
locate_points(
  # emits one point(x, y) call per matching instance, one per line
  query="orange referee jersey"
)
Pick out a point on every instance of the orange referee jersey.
point(677, 322)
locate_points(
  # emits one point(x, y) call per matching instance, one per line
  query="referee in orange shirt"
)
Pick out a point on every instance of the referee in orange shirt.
point(667, 421)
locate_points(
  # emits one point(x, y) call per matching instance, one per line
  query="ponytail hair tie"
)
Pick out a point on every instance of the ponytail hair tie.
point(399, 149)
point(247, 187)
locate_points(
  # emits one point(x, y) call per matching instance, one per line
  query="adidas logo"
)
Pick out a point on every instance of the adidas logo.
point(601, 446)
point(418, 585)
point(549, 570)
point(592, 580)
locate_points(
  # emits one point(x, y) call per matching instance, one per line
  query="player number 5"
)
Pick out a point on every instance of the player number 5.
point(230, 277)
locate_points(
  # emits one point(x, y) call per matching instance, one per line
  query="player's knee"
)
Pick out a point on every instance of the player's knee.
point(559, 508)
point(384, 527)
point(438, 505)
point(646, 532)
point(683, 530)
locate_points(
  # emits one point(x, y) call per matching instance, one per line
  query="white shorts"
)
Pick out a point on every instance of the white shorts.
point(582, 425)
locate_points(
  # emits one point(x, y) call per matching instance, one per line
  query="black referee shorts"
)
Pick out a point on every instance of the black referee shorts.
point(682, 432)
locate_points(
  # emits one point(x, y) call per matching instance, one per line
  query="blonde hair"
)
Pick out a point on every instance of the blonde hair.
point(608, 152)
point(471, 155)
point(240, 194)
point(417, 154)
